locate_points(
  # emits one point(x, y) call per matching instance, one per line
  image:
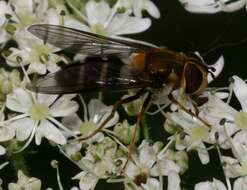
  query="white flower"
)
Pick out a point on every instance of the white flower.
point(5, 133)
point(240, 145)
point(25, 182)
point(138, 6)
point(218, 67)
point(150, 162)
point(221, 121)
point(97, 113)
point(32, 51)
point(240, 90)
point(103, 19)
point(233, 168)
point(5, 10)
point(212, 6)
point(2, 150)
point(9, 81)
point(239, 184)
point(87, 180)
point(98, 163)
point(151, 184)
point(100, 152)
point(193, 136)
point(37, 115)
point(30, 12)
point(36, 54)
point(237, 167)
point(214, 185)
point(229, 127)
point(227, 121)
point(149, 6)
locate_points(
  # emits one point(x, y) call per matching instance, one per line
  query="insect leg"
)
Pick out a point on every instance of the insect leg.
point(114, 109)
point(173, 100)
point(138, 122)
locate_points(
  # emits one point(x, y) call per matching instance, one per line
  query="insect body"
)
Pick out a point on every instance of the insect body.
point(151, 67)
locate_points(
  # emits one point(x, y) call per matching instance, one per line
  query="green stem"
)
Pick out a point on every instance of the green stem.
point(145, 128)
point(100, 96)
point(18, 162)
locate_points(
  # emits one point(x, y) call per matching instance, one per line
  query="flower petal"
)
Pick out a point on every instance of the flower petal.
point(203, 153)
point(95, 106)
point(87, 180)
point(240, 183)
point(207, 185)
point(164, 167)
point(42, 7)
point(98, 112)
point(71, 23)
point(64, 106)
point(151, 184)
point(216, 109)
point(124, 24)
point(6, 133)
point(37, 67)
point(51, 132)
point(53, 17)
point(97, 12)
point(19, 101)
point(152, 9)
point(23, 128)
point(146, 154)
point(211, 6)
point(46, 99)
point(240, 145)
point(23, 7)
point(173, 181)
point(240, 90)
point(72, 122)
point(218, 66)
point(131, 170)
point(2, 152)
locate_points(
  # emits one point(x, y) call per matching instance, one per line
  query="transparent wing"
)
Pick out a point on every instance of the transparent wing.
point(77, 41)
point(91, 76)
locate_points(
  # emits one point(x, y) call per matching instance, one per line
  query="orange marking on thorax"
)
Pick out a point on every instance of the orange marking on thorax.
point(139, 61)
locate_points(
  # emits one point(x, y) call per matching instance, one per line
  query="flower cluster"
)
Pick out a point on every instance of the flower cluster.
point(226, 132)
point(212, 6)
point(65, 121)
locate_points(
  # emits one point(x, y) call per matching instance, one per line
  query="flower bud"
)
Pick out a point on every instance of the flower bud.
point(124, 132)
point(182, 160)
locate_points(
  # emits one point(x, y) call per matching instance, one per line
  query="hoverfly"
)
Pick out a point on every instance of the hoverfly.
point(151, 68)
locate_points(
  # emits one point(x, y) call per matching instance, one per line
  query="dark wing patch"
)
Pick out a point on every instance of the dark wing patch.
point(88, 77)
point(77, 41)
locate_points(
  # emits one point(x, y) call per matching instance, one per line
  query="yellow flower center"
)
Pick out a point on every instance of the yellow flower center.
point(40, 53)
point(87, 127)
point(241, 120)
point(99, 29)
point(244, 168)
point(197, 133)
point(39, 112)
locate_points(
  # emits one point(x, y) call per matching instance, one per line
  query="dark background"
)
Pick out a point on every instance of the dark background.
point(180, 31)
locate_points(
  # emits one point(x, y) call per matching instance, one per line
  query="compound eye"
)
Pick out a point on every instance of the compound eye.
point(193, 78)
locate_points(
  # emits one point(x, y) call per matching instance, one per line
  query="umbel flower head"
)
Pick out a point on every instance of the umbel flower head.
point(36, 115)
point(25, 182)
point(100, 18)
